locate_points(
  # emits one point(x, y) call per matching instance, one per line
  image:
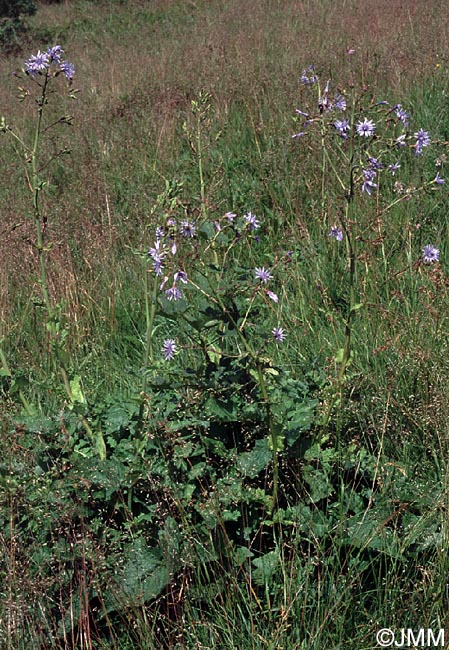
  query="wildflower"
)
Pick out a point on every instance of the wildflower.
point(340, 102)
point(375, 164)
point(159, 233)
point(393, 168)
point(308, 76)
point(272, 296)
point(324, 103)
point(301, 113)
point(158, 265)
point(365, 128)
point(422, 140)
point(230, 216)
point(298, 135)
point(263, 274)
point(169, 349)
point(279, 334)
point(336, 233)
point(187, 229)
point(173, 293)
point(157, 254)
point(342, 127)
point(37, 63)
point(251, 220)
point(181, 276)
point(438, 180)
point(400, 141)
point(55, 53)
point(68, 69)
point(401, 114)
point(430, 254)
point(368, 183)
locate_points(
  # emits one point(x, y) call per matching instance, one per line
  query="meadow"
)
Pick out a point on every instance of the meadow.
point(224, 317)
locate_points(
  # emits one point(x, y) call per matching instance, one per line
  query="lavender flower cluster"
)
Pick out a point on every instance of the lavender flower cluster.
point(165, 248)
point(367, 132)
point(41, 63)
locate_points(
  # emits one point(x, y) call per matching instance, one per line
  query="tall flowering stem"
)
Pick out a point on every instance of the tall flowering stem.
point(36, 186)
point(42, 69)
point(363, 152)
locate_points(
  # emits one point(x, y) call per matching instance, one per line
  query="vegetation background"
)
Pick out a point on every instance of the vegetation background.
point(167, 536)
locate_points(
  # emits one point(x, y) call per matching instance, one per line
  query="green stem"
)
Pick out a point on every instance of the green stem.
point(150, 313)
point(263, 389)
point(36, 189)
point(199, 153)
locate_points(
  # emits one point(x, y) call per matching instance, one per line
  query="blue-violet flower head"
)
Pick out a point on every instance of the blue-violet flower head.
point(336, 233)
point(366, 128)
point(279, 334)
point(263, 274)
point(169, 349)
point(251, 220)
point(430, 254)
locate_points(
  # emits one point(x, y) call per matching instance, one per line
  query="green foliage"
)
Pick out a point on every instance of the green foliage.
point(246, 492)
point(13, 15)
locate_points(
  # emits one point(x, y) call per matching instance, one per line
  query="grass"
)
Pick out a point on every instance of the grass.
point(172, 540)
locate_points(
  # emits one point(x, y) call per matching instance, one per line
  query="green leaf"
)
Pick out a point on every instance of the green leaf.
point(76, 392)
point(251, 463)
point(266, 567)
point(100, 445)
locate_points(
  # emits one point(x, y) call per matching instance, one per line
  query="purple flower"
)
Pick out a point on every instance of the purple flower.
point(272, 296)
point(301, 113)
point(375, 164)
point(401, 114)
point(298, 135)
point(393, 168)
point(181, 276)
point(230, 216)
point(308, 76)
point(169, 349)
point(55, 54)
point(365, 128)
point(279, 334)
point(336, 233)
point(263, 274)
point(37, 63)
point(251, 220)
point(438, 180)
point(173, 293)
point(340, 102)
point(400, 142)
point(158, 265)
point(369, 184)
point(157, 254)
point(68, 69)
point(430, 254)
point(187, 229)
point(422, 140)
point(324, 103)
point(159, 233)
point(342, 127)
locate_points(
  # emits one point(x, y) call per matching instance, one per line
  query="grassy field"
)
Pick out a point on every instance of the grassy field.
point(257, 459)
